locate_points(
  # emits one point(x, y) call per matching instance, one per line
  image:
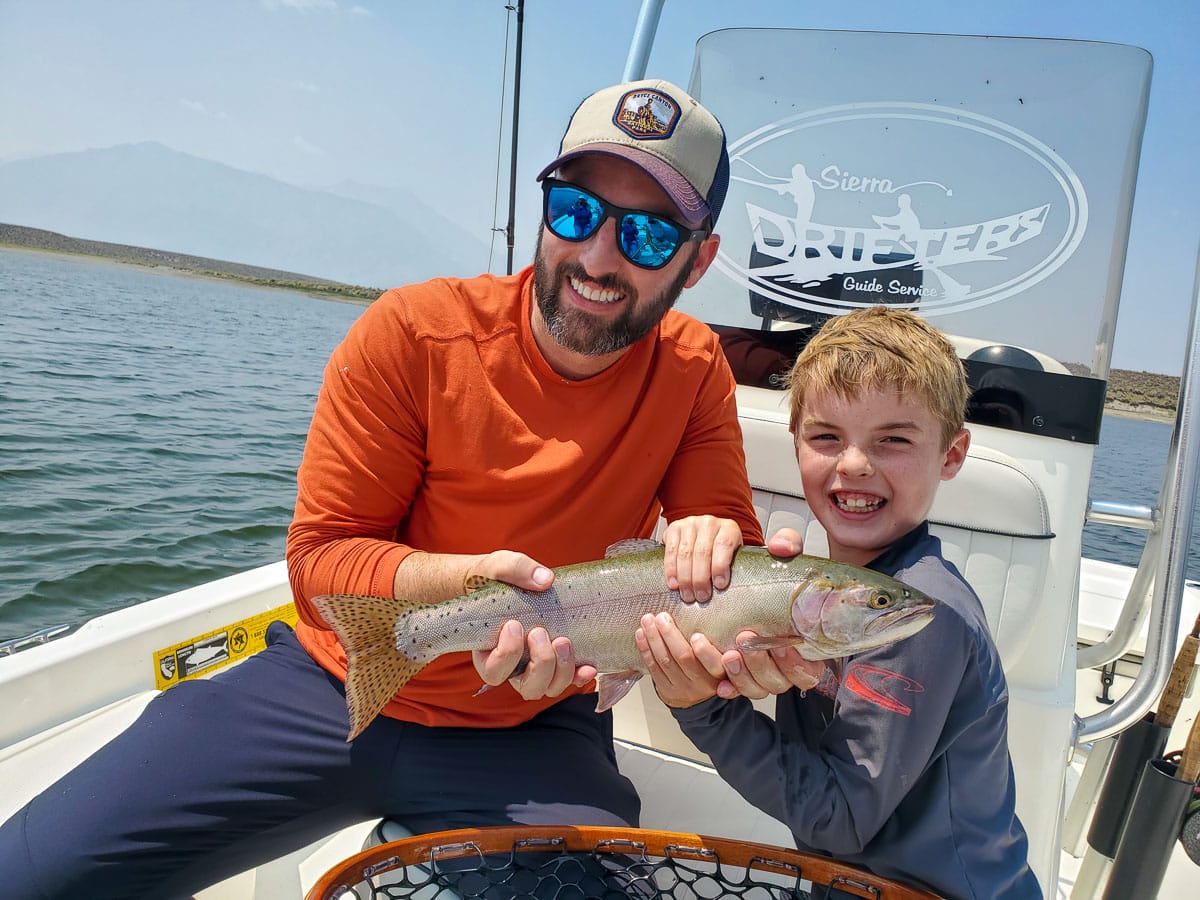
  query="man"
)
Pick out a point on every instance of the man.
point(549, 414)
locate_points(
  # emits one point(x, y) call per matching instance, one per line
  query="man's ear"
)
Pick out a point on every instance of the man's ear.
point(956, 454)
point(704, 257)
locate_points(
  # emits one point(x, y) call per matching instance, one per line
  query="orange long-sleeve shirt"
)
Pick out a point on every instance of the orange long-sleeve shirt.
point(440, 426)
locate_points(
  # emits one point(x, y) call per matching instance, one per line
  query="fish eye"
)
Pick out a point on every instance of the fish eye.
point(880, 600)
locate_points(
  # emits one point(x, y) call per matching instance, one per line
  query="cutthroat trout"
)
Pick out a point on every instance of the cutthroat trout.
point(823, 608)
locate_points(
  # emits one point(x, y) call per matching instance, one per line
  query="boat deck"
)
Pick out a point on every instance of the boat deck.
point(679, 794)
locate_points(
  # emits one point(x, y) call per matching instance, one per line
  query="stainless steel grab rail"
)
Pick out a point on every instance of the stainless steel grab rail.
point(1177, 503)
point(41, 636)
point(1137, 598)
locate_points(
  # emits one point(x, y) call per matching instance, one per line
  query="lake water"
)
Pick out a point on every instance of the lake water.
point(151, 425)
point(150, 430)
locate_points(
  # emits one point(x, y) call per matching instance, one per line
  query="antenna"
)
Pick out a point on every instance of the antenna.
point(516, 116)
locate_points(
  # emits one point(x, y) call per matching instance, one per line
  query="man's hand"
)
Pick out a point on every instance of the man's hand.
point(551, 668)
point(551, 665)
point(699, 551)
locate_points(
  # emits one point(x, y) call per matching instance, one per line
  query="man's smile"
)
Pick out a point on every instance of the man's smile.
point(594, 295)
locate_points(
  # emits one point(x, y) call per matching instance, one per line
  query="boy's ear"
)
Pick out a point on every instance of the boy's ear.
point(956, 454)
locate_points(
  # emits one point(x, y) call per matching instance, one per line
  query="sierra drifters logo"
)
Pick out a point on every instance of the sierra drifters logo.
point(912, 205)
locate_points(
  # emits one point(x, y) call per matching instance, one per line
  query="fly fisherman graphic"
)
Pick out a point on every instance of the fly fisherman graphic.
point(810, 254)
point(908, 233)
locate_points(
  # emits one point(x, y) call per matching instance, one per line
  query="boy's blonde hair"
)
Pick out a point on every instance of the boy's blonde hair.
point(883, 348)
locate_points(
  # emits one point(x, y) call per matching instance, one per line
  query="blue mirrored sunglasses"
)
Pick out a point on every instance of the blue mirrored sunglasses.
point(646, 239)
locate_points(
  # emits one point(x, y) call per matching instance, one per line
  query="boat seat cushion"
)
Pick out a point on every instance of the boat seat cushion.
point(992, 518)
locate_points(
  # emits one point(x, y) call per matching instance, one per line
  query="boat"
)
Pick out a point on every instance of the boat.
point(999, 207)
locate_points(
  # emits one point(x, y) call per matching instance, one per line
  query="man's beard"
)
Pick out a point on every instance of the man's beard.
point(581, 332)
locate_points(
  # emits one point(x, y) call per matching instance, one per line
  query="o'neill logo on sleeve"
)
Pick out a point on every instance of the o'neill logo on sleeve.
point(880, 686)
point(908, 204)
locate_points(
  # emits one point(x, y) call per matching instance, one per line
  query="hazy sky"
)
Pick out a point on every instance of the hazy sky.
point(408, 94)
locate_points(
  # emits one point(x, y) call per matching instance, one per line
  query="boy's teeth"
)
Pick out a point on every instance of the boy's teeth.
point(858, 503)
point(595, 296)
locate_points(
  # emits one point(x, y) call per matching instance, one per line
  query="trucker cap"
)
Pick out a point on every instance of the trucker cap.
point(659, 127)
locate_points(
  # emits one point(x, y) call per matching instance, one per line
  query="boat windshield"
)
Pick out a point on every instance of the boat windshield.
point(985, 183)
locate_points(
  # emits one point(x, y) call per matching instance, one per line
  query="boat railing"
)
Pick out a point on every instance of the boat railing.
point(41, 636)
point(1161, 573)
point(1137, 598)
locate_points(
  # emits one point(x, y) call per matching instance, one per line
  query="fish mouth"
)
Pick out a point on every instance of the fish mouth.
point(898, 616)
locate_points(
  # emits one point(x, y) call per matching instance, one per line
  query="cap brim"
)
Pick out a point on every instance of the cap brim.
point(693, 210)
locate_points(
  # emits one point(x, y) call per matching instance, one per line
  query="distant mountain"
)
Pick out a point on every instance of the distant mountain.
point(148, 195)
point(405, 206)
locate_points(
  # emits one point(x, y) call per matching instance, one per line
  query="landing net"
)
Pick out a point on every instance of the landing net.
point(592, 863)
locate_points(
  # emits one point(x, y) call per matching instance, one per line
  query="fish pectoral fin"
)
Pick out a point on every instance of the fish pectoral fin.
point(770, 642)
point(522, 665)
point(612, 686)
point(631, 545)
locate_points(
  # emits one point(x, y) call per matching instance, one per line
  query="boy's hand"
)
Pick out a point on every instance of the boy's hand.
point(551, 667)
point(759, 673)
point(699, 552)
point(680, 676)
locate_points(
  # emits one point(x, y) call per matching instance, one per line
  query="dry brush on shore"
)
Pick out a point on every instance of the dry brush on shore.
point(37, 239)
point(1145, 392)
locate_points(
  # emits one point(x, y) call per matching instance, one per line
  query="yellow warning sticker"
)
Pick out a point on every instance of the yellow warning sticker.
point(208, 652)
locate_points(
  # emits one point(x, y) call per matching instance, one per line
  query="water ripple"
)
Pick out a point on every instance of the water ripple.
point(150, 430)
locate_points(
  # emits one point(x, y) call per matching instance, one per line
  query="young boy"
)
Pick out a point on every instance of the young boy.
point(897, 759)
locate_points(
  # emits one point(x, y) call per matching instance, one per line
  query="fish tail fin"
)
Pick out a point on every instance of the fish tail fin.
point(376, 670)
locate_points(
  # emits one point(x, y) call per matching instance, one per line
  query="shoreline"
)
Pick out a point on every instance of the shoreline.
point(196, 267)
point(163, 269)
point(1141, 412)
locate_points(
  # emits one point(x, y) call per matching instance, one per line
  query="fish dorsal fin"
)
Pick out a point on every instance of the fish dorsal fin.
point(631, 545)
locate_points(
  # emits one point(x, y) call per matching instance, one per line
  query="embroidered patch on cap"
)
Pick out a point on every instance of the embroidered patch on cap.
point(647, 115)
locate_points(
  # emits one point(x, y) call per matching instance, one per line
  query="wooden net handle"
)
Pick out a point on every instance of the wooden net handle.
point(1189, 764)
point(584, 838)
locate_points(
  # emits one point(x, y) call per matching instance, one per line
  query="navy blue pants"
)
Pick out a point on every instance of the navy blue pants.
point(219, 775)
